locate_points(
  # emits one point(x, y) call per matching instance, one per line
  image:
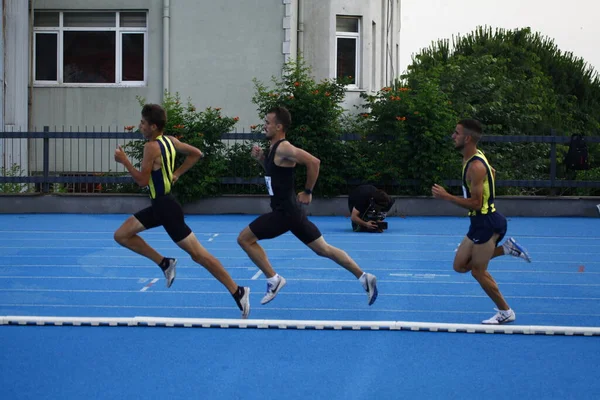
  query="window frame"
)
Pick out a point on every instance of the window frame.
point(119, 32)
point(358, 58)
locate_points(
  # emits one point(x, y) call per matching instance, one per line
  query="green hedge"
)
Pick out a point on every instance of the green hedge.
point(515, 82)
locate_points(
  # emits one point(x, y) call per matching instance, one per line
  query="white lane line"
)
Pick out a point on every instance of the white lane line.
point(329, 234)
point(302, 268)
point(152, 282)
point(426, 276)
point(413, 281)
point(340, 242)
point(256, 275)
point(273, 249)
point(209, 292)
point(364, 310)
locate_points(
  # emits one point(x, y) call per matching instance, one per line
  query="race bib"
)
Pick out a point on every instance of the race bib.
point(268, 183)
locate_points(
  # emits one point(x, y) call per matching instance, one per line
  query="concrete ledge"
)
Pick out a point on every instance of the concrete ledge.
point(515, 206)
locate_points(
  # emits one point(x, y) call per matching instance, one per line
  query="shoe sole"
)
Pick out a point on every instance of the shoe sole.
point(500, 323)
point(375, 291)
point(282, 283)
point(521, 249)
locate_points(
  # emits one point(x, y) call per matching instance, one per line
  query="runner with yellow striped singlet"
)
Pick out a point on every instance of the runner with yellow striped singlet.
point(158, 172)
point(488, 226)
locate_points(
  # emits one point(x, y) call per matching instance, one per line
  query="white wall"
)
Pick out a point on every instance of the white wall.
point(16, 78)
point(573, 25)
point(319, 41)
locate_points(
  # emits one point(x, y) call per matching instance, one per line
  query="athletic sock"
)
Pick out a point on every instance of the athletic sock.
point(238, 294)
point(274, 279)
point(164, 264)
point(363, 280)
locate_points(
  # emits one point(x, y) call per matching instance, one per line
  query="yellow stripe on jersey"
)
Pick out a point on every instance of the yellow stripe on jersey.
point(489, 185)
point(161, 180)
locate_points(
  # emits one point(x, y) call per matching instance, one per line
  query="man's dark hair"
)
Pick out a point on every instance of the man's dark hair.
point(383, 200)
point(472, 128)
point(283, 117)
point(155, 115)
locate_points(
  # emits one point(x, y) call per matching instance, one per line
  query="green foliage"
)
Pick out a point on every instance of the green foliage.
point(316, 110)
point(406, 135)
point(517, 83)
point(14, 171)
point(201, 129)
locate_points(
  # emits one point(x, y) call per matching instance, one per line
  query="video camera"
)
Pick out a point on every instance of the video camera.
point(377, 213)
point(378, 217)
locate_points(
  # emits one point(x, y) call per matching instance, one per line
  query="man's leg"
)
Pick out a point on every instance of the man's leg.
point(127, 236)
point(275, 282)
point(480, 258)
point(249, 243)
point(199, 254)
point(324, 249)
point(368, 281)
point(462, 258)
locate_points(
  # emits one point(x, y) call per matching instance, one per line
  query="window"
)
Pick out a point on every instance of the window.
point(347, 49)
point(90, 48)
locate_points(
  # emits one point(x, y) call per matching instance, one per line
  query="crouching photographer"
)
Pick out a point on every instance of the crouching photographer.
point(368, 207)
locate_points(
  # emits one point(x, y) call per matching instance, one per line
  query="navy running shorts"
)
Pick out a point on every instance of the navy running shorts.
point(276, 223)
point(165, 211)
point(483, 227)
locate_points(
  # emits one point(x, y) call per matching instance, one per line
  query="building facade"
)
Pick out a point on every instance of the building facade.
point(92, 59)
point(76, 64)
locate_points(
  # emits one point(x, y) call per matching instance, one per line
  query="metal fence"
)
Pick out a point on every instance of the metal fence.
point(83, 162)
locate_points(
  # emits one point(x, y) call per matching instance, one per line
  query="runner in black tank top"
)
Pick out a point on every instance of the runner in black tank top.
point(159, 174)
point(287, 208)
point(487, 225)
point(281, 184)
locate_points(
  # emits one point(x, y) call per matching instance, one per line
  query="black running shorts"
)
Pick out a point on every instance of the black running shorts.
point(276, 223)
point(165, 211)
point(483, 227)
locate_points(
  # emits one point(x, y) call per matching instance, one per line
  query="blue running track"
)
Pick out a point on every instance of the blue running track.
point(69, 265)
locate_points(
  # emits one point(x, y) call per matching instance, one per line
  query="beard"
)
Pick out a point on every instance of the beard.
point(269, 135)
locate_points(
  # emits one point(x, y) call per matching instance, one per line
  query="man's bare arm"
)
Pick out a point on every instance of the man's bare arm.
point(142, 177)
point(193, 155)
point(290, 152)
point(475, 175)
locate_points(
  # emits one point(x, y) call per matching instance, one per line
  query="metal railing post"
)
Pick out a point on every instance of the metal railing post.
point(45, 183)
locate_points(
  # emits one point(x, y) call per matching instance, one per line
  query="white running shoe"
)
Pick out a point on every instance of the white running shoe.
point(501, 317)
point(170, 271)
point(516, 250)
point(371, 287)
point(244, 302)
point(273, 289)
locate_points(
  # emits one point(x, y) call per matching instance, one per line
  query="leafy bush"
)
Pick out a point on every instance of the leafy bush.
point(14, 171)
point(200, 129)
point(316, 110)
point(517, 83)
point(406, 136)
